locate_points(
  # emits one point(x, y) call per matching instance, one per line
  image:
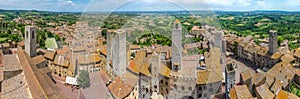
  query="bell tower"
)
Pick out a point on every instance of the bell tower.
point(30, 40)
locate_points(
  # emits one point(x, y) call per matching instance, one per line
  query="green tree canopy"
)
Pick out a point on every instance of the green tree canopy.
point(83, 79)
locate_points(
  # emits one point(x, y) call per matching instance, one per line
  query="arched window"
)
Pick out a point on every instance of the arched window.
point(182, 88)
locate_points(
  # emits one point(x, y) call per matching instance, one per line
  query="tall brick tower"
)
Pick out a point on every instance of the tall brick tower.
point(273, 41)
point(176, 46)
point(30, 40)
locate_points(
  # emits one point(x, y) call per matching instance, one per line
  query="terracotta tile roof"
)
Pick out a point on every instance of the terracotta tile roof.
point(213, 59)
point(190, 46)
point(246, 75)
point(240, 92)
point(129, 79)
point(145, 69)
point(137, 69)
point(49, 54)
point(258, 79)
point(238, 40)
point(140, 64)
point(135, 46)
point(232, 38)
point(282, 94)
point(264, 93)
point(102, 49)
point(206, 77)
point(89, 58)
point(40, 85)
point(134, 67)
point(79, 48)
point(38, 59)
point(177, 21)
point(269, 80)
point(297, 53)
point(276, 55)
point(164, 70)
point(282, 71)
point(14, 87)
point(263, 51)
point(248, 38)
point(276, 86)
point(62, 60)
point(11, 63)
point(120, 90)
point(95, 58)
point(287, 58)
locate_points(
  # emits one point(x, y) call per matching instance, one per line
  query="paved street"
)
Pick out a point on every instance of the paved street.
point(66, 89)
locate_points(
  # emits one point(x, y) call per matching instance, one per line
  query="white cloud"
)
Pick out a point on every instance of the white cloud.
point(66, 3)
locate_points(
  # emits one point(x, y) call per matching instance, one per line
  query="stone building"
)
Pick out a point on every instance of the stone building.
point(240, 92)
point(155, 66)
point(63, 65)
point(176, 45)
point(229, 77)
point(89, 62)
point(273, 41)
point(30, 40)
point(209, 81)
point(117, 54)
point(297, 55)
point(246, 79)
point(184, 80)
point(257, 55)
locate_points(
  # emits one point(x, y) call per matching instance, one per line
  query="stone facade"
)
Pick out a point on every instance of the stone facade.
point(117, 51)
point(204, 91)
point(30, 40)
point(155, 65)
point(176, 46)
point(273, 41)
point(229, 77)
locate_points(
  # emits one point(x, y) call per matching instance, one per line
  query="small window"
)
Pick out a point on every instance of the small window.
point(182, 88)
point(190, 88)
point(32, 34)
point(199, 95)
point(26, 34)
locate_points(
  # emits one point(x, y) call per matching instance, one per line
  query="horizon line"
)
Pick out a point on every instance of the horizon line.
point(151, 11)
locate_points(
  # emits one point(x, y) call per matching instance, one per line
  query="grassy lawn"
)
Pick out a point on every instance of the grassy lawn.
point(51, 43)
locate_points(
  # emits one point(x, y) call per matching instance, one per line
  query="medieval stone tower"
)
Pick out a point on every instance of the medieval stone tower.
point(155, 66)
point(30, 40)
point(176, 46)
point(273, 41)
point(116, 44)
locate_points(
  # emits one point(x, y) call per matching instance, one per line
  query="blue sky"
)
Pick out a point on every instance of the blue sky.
point(149, 5)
